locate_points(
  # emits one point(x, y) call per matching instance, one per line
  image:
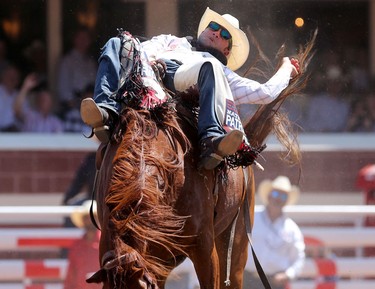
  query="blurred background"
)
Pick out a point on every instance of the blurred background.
point(36, 35)
point(346, 29)
point(58, 42)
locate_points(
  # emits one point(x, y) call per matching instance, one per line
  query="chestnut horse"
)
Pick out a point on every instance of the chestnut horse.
point(155, 208)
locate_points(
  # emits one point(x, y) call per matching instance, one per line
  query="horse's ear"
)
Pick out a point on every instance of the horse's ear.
point(99, 276)
point(138, 273)
point(137, 280)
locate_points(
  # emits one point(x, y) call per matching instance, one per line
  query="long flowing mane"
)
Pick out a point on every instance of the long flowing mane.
point(142, 175)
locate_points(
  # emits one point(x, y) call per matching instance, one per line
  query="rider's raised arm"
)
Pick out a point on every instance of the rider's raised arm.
point(247, 91)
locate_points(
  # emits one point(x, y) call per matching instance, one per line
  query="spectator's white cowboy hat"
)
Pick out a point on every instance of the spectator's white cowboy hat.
point(82, 211)
point(281, 184)
point(240, 43)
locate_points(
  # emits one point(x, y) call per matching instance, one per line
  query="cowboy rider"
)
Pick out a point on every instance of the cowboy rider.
point(221, 48)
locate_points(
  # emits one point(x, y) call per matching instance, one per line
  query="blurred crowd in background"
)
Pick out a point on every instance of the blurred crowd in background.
point(339, 96)
point(27, 104)
point(336, 99)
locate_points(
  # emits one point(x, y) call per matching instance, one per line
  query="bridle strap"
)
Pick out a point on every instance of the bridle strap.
point(230, 248)
point(93, 193)
point(233, 229)
point(258, 266)
point(92, 216)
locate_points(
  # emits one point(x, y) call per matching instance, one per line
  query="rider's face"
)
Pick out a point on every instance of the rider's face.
point(213, 39)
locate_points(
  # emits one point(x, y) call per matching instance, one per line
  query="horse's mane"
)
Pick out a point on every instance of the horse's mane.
point(142, 174)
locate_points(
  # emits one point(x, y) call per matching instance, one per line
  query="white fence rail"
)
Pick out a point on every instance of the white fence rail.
point(14, 239)
point(55, 269)
point(306, 214)
point(332, 237)
point(351, 272)
point(343, 267)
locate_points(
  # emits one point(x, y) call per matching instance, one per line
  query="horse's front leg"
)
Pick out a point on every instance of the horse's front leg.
point(206, 262)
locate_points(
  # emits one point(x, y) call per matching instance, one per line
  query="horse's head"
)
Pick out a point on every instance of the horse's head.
point(123, 272)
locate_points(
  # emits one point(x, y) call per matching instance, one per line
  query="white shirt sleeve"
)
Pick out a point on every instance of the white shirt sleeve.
point(247, 91)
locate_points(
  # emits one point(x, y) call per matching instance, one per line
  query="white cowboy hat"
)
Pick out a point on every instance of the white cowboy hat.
point(282, 184)
point(81, 211)
point(240, 43)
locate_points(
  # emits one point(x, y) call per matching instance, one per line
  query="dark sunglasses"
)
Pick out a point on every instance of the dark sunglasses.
point(224, 33)
point(278, 195)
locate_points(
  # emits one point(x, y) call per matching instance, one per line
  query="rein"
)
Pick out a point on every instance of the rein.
point(230, 248)
point(92, 217)
point(233, 230)
point(93, 197)
point(258, 266)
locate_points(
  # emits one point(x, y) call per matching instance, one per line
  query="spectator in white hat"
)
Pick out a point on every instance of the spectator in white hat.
point(277, 239)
